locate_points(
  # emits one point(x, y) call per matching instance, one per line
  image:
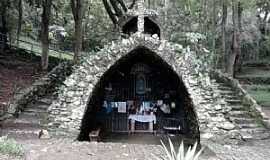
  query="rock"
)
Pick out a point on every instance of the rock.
point(218, 119)
point(82, 84)
point(235, 135)
point(70, 82)
point(207, 135)
point(226, 126)
point(218, 107)
point(44, 134)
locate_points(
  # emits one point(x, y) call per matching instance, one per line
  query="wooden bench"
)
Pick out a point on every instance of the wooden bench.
point(94, 135)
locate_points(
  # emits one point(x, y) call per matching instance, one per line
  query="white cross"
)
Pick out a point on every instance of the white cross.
point(141, 16)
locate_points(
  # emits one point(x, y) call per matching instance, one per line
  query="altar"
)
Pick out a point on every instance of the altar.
point(150, 119)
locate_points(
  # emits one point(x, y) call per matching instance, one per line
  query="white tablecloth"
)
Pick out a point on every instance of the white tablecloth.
point(143, 118)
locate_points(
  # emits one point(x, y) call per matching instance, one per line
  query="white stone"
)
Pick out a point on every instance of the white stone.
point(218, 119)
point(218, 107)
point(44, 134)
point(206, 135)
point(226, 126)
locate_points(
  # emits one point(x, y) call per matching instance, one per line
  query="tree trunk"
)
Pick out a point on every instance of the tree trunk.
point(239, 60)
point(132, 4)
point(118, 11)
point(3, 29)
point(45, 33)
point(214, 28)
point(77, 10)
point(166, 7)
point(110, 12)
point(20, 10)
point(223, 25)
point(236, 50)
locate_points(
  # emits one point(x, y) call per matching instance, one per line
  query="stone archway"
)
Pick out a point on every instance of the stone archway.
point(162, 72)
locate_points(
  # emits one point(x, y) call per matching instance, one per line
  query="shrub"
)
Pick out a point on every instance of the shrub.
point(172, 154)
point(10, 147)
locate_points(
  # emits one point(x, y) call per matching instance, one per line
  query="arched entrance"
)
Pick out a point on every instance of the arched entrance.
point(140, 83)
point(151, 27)
point(131, 26)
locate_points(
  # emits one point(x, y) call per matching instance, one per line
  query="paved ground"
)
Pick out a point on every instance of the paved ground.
point(66, 149)
point(257, 150)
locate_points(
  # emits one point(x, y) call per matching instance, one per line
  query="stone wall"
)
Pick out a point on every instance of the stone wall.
point(67, 111)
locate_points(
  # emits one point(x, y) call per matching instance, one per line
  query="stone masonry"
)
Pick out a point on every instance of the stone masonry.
point(67, 111)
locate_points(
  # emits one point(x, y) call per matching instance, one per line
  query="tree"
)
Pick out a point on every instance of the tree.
point(264, 11)
point(46, 13)
point(223, 26)
point(20, 11)
point(77, 11)
point(236, 44)
point(3, 26)
point(114, 11)
point(214, 26)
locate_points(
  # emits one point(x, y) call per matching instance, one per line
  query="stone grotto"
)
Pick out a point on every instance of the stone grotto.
point(144, 78)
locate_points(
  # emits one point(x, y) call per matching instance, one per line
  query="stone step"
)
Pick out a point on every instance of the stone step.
point(29, 116)
point(38, 106)
point(33, 114)
point(258, 130)
point(237, 107)
point(248, 125)
point(21, 133)
point(239, 114)
point(35, 110)
point(225, 92)
point(233, 101)
point(226, 96)
point(242, 120)
point(258, 136)
point(227, 88)
point(21, 123)
point(45, 101)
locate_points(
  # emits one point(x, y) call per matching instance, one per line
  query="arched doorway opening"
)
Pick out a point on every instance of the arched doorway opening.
point(140, 87)
point(151, 27)
point(131, 26)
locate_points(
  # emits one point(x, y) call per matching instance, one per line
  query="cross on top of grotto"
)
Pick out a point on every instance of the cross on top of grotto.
point(140, 20)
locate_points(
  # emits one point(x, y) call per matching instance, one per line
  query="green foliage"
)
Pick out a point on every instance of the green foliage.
point(10, 147)
point(180, 154)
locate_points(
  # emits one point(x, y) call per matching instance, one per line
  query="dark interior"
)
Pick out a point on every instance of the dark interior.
point(142, 77)
point(131, 26)
point(149, 27)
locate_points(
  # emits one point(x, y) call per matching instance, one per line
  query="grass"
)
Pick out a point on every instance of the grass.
point(254, 72)
point(261, 93)
point(10, 147)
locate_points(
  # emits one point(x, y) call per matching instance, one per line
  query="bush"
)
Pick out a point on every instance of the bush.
point(10, 147)
point(171, 153)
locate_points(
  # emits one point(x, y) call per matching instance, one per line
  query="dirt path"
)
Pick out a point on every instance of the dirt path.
point(67, 149)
